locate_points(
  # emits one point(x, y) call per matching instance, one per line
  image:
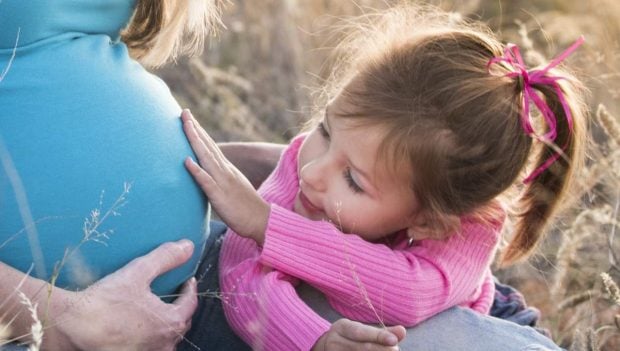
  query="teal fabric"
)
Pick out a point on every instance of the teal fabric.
point(79, 119)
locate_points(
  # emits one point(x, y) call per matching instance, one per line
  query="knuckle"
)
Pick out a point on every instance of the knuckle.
point(193, 300)
point(139, 264)
point(169, 251)
point(341, 324)
point(331, 343)
point(168, 247)
point(179, 326)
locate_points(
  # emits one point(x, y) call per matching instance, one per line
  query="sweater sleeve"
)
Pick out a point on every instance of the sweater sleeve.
point(261, 304)
point(372, 282)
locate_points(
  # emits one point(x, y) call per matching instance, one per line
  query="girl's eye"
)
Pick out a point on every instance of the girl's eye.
point(351, 182)
point(323, 131)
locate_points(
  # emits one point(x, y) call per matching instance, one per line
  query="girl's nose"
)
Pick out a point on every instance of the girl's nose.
point(314, 174)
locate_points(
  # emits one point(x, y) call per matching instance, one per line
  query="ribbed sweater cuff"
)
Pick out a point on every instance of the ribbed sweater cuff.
point(280, 240)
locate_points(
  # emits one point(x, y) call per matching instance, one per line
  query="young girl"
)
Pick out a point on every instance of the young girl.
point(391, 204)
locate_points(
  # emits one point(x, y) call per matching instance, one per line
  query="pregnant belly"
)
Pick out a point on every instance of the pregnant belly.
point(96, 176)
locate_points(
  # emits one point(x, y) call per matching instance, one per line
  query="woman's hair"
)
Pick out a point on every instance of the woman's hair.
point(160, 30)
point(423, 76)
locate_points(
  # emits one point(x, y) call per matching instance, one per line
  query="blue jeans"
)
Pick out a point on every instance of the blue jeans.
point(463, 329)
point(454, 329)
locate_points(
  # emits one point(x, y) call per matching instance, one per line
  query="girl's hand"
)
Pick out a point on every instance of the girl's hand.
point(346, 335)
point(229, 191)
point(120, 312)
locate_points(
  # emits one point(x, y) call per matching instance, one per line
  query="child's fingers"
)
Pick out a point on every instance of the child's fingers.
point(204, 180)
point(192, 136)
point(204, 146)
point(186, 115)
point(399, 331)
point(210, 144)
point(362, 333)
point(204, 151)
point(202, 133)
point(196, 132)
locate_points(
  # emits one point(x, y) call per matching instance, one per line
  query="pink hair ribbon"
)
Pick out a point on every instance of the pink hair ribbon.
point(512, 58)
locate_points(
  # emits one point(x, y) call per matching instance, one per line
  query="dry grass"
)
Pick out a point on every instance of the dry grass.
point(5, 333)
point(36, 328)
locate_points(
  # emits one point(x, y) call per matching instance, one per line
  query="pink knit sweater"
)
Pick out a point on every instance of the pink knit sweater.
point(389, 281)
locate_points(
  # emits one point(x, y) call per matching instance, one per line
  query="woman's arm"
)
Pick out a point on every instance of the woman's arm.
point(119, 312)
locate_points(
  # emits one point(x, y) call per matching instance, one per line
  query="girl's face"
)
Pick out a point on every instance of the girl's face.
point(342, 181)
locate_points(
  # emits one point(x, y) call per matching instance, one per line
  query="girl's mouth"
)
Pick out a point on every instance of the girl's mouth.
point(308, 206)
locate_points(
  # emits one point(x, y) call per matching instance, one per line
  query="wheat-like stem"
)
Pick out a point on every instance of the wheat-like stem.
point(36, 329)
point(5, 333)
point(578, 232)
point(611, 287)
point(609, 123)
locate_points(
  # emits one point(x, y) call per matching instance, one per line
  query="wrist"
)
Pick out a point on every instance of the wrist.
point(59, 325)
point(262, 220)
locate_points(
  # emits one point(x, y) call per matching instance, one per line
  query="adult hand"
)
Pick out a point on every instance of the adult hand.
point(230, 193)
point(120, 312)
point(345, 335)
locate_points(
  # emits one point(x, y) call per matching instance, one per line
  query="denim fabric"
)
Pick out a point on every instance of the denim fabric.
point(509, 304)
point(454, 329)
point(210, 331)
point(463, 329)
point(13, 347)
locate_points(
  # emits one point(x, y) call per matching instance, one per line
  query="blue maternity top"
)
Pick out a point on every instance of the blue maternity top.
point(80, 122)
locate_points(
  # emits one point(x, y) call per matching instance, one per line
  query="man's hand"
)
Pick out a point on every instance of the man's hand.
point(120, 312)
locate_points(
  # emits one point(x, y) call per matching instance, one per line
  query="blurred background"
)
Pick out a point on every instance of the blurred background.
point(257, 78)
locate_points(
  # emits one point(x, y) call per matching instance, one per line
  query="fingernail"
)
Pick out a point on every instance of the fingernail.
point(392, 339)
point(186, 245)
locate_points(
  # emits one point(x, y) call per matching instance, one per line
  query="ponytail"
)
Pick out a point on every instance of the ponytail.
point(543, 193)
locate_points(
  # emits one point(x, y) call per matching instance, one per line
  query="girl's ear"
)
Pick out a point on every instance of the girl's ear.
point(427, 226)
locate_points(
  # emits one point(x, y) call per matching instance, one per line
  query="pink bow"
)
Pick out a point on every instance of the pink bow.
point(512, 57)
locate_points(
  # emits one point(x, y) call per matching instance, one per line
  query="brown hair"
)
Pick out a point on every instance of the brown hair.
point(160, 30)
point(423, 75)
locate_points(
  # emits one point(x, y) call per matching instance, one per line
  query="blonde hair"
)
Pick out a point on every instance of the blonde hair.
point(422, 73)
point(161, 30)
